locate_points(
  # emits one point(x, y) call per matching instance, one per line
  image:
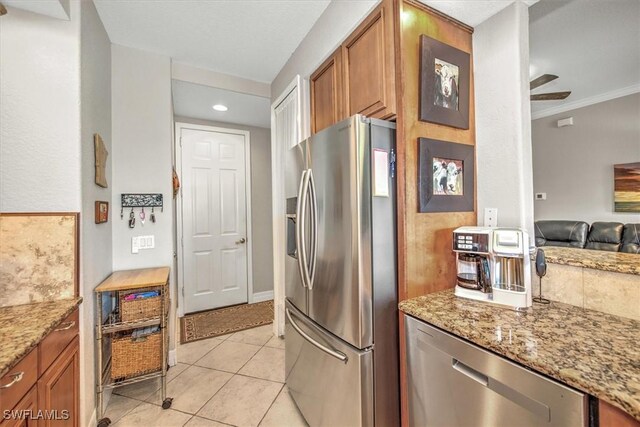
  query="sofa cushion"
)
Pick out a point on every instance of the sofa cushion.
point(631, 239)
point(605, 236)
point(572, 234)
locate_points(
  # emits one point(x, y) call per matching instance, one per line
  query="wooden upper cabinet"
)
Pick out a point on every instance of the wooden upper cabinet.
point(369, 65)
point(326, 93)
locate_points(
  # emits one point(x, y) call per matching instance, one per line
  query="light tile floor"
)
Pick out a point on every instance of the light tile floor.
point(235, 379)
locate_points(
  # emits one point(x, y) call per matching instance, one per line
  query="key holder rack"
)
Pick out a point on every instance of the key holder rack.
point(141, 200)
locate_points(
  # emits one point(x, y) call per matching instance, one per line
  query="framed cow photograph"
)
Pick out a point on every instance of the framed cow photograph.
point(446, 172)
point(444, 84)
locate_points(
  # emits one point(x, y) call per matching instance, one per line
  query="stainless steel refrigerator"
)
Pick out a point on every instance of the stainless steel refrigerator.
point(341, 296)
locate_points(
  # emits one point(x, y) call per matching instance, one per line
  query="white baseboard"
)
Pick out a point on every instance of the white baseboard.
point(261, 296)
point(173, 358)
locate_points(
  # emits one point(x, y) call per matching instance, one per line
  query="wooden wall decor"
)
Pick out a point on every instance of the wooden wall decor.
point(101, 154)
point(444, 84)
point(101, 212)
point(446, 176)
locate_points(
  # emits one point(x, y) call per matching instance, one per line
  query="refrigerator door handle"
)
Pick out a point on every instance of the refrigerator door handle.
point(314, 229)
point(338, 355)
point(300, 227)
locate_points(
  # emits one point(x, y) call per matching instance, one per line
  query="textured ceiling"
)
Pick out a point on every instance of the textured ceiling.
point(196, 101)
point(471, 12)
point(592, 45)
point(250, 39)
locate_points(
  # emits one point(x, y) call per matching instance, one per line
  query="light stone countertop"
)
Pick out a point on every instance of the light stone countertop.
point(594, 352)
point(22, 327)
point(617, 262)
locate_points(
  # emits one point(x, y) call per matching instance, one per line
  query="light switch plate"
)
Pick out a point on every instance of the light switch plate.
point(490, 217)
point(134, 245)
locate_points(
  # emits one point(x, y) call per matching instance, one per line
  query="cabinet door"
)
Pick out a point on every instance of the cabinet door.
point(59, 388)
point(610, 416)
point(20, 414)
point(326, 93)
point(368, 57)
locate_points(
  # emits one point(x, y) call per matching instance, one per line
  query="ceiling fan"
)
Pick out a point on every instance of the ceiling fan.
point(551, 96)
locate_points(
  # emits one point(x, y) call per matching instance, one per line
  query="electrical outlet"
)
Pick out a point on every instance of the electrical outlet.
point(541, 196)
point(490, 217)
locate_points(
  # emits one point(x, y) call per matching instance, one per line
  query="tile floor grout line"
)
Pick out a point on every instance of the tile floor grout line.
point(270, 406)
point(258, 378)
point(214, 394)
point(104, 415)
point(207, 353)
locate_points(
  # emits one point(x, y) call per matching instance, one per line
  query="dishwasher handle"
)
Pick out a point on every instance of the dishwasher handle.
point(470, 372)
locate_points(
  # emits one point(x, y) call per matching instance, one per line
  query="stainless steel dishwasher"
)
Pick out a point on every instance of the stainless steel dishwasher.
point(454, 383)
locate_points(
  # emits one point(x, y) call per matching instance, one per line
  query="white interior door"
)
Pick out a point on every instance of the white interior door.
point(285, 133)
point(214, 218)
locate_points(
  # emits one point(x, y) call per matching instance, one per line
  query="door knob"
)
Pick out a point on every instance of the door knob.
point(241, 241)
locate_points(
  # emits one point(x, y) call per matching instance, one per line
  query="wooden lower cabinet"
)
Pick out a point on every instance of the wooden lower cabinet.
point(22, 411)
point(610, 416)
point(59, 388)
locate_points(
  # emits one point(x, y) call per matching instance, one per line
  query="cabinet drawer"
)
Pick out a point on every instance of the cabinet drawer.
point(17, 382)
point(53, 344)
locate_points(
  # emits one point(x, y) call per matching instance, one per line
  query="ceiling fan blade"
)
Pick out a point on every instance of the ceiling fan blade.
point(550, 96)
point(542, 80)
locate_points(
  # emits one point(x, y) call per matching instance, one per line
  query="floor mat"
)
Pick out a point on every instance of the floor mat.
point(207, 324)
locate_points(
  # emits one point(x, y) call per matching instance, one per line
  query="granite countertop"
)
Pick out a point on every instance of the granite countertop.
point(22, 327)
point(594, 352)
point(618, 262)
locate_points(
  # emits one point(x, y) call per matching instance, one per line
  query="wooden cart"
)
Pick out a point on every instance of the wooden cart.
point(122, 357)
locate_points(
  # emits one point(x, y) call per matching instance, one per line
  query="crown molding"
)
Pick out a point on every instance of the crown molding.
point(618, 93)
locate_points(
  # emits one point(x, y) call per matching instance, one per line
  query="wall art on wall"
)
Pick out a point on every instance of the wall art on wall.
point(626, 187)
point(101, 212)
point(445, 176)
point(444, 84)
point(101, 154)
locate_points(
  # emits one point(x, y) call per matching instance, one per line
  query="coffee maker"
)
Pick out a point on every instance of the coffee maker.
point(493, 265)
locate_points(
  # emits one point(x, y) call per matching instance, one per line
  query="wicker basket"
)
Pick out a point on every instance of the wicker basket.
point(138, 309)
point(131, 357)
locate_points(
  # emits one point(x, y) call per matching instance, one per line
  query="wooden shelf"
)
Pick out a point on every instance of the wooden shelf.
point(134, 279)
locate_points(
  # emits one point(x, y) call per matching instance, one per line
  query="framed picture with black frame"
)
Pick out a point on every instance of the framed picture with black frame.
point(444, 84)
point(446, 174)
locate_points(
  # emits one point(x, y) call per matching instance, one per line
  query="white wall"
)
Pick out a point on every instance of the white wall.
point(262, 243)
point(334, 25)
point(503, 117)
point(39, 112)
point(95, 97)
point(574, 165)
point(141, 144)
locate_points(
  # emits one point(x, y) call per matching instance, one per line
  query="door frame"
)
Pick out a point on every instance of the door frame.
point(179, 126)
point(278, 204)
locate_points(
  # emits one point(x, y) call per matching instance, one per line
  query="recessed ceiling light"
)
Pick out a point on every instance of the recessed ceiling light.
point(220, 107)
